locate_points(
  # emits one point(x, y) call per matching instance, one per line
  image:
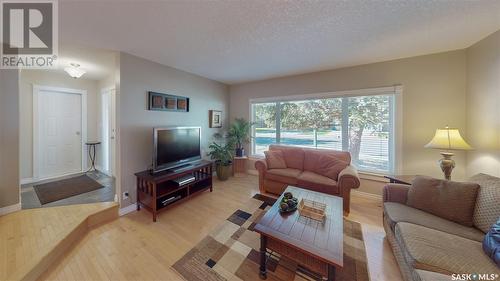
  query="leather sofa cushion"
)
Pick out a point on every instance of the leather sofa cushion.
point(450, 200)
point(487, 209)
point(433, 250)
point(323, 163)
point(317, 182)
point(330, 167)
point(395, 212)
point(294, 156)
point(287, 175)
point(275, 159)
point(311, 157)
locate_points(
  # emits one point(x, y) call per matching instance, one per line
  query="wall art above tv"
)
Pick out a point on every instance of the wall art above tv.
point(165, 102)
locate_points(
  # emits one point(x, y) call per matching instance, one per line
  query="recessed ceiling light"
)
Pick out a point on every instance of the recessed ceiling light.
point(74, 70)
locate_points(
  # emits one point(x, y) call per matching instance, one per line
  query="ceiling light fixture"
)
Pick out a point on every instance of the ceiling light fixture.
point(74, 70)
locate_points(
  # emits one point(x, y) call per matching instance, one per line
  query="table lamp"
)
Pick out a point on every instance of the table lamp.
point(448, 139)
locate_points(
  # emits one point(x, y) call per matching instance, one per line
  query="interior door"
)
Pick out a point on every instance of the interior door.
point(60, 133)
point(108, 131)
point(112, 139)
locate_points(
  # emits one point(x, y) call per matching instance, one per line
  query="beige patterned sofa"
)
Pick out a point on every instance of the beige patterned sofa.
point(431, 248)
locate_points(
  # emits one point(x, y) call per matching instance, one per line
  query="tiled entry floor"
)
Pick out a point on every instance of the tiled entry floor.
point(29, 199)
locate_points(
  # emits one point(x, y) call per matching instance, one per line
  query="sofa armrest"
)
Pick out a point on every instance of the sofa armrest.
point(397, 193)
point(348, 178)
point(261, 165)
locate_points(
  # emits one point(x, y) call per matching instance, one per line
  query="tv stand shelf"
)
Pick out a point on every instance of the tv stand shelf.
point(157, 192)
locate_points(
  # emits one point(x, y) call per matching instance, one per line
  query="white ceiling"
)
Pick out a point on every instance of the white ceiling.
point(239, 41)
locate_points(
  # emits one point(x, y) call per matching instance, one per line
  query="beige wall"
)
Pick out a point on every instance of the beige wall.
point(53, 79)
point(137, 77)
point(9, 138)
point(433, 96)
point(483, 106)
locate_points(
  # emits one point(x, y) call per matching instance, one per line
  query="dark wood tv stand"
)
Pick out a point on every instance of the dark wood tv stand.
point(154, 189)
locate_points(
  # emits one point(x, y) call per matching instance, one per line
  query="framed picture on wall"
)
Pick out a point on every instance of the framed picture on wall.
point(156, 102)
point(165, 102)
point(170, 103)
point(181, 103)
point(215, 118)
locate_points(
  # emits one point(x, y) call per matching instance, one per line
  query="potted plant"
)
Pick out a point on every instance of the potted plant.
point(239, 135)
point(223, 156)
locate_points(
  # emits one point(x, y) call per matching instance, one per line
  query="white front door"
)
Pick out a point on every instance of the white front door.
point(59, 133)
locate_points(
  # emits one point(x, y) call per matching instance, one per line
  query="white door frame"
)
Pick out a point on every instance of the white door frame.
point(112, 164)
point(37, 89)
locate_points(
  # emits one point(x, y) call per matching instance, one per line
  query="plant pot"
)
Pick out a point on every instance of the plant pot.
point(223, 171)
point(240, 152)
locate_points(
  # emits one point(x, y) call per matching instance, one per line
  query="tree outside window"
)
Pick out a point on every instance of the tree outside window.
point(360, 125)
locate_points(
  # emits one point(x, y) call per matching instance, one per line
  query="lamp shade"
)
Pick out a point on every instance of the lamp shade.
point(448, 138)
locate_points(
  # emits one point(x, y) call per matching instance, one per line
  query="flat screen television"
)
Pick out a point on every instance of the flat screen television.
point(175, 147)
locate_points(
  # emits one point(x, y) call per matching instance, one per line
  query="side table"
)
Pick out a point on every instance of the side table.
point(92, 147)
point(240, 166)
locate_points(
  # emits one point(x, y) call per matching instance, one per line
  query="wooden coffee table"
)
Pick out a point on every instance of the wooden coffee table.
point(314, 245)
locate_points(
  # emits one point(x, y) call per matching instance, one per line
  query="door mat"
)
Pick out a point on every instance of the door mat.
point(57, 190)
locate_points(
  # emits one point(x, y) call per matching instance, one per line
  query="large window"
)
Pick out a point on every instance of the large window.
point(362, 125)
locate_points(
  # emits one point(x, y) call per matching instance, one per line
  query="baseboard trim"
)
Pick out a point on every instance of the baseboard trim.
point(27, 181)
point(129, 209)
point(59, 177)
point(10, 209)
point(367, 195)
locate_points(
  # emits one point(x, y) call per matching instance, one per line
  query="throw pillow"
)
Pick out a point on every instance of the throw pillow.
point(330, 167)
point(487, 209)
point(450, 200)
point(491, 243)
point(275, 159)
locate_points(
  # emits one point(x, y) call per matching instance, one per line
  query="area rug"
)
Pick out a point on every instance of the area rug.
point(57, 190)
point(231, 252)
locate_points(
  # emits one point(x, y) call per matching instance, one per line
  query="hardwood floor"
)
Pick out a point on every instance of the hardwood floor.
point(32, 240)
point(134, 248)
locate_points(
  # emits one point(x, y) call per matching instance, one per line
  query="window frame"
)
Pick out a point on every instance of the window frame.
point(395, 119)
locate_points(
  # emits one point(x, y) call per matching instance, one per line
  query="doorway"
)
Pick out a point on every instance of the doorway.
point(59, 131)
point(108, 131)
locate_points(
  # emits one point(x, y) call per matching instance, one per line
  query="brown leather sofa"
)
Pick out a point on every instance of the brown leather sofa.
point(301, 171)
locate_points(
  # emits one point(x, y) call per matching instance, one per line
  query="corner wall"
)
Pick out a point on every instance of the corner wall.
point(483, 106)
point(136, 122)
point(9, 139)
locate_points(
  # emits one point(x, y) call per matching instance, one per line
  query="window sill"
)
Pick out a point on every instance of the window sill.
point(373, 177)
point(256, 157)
